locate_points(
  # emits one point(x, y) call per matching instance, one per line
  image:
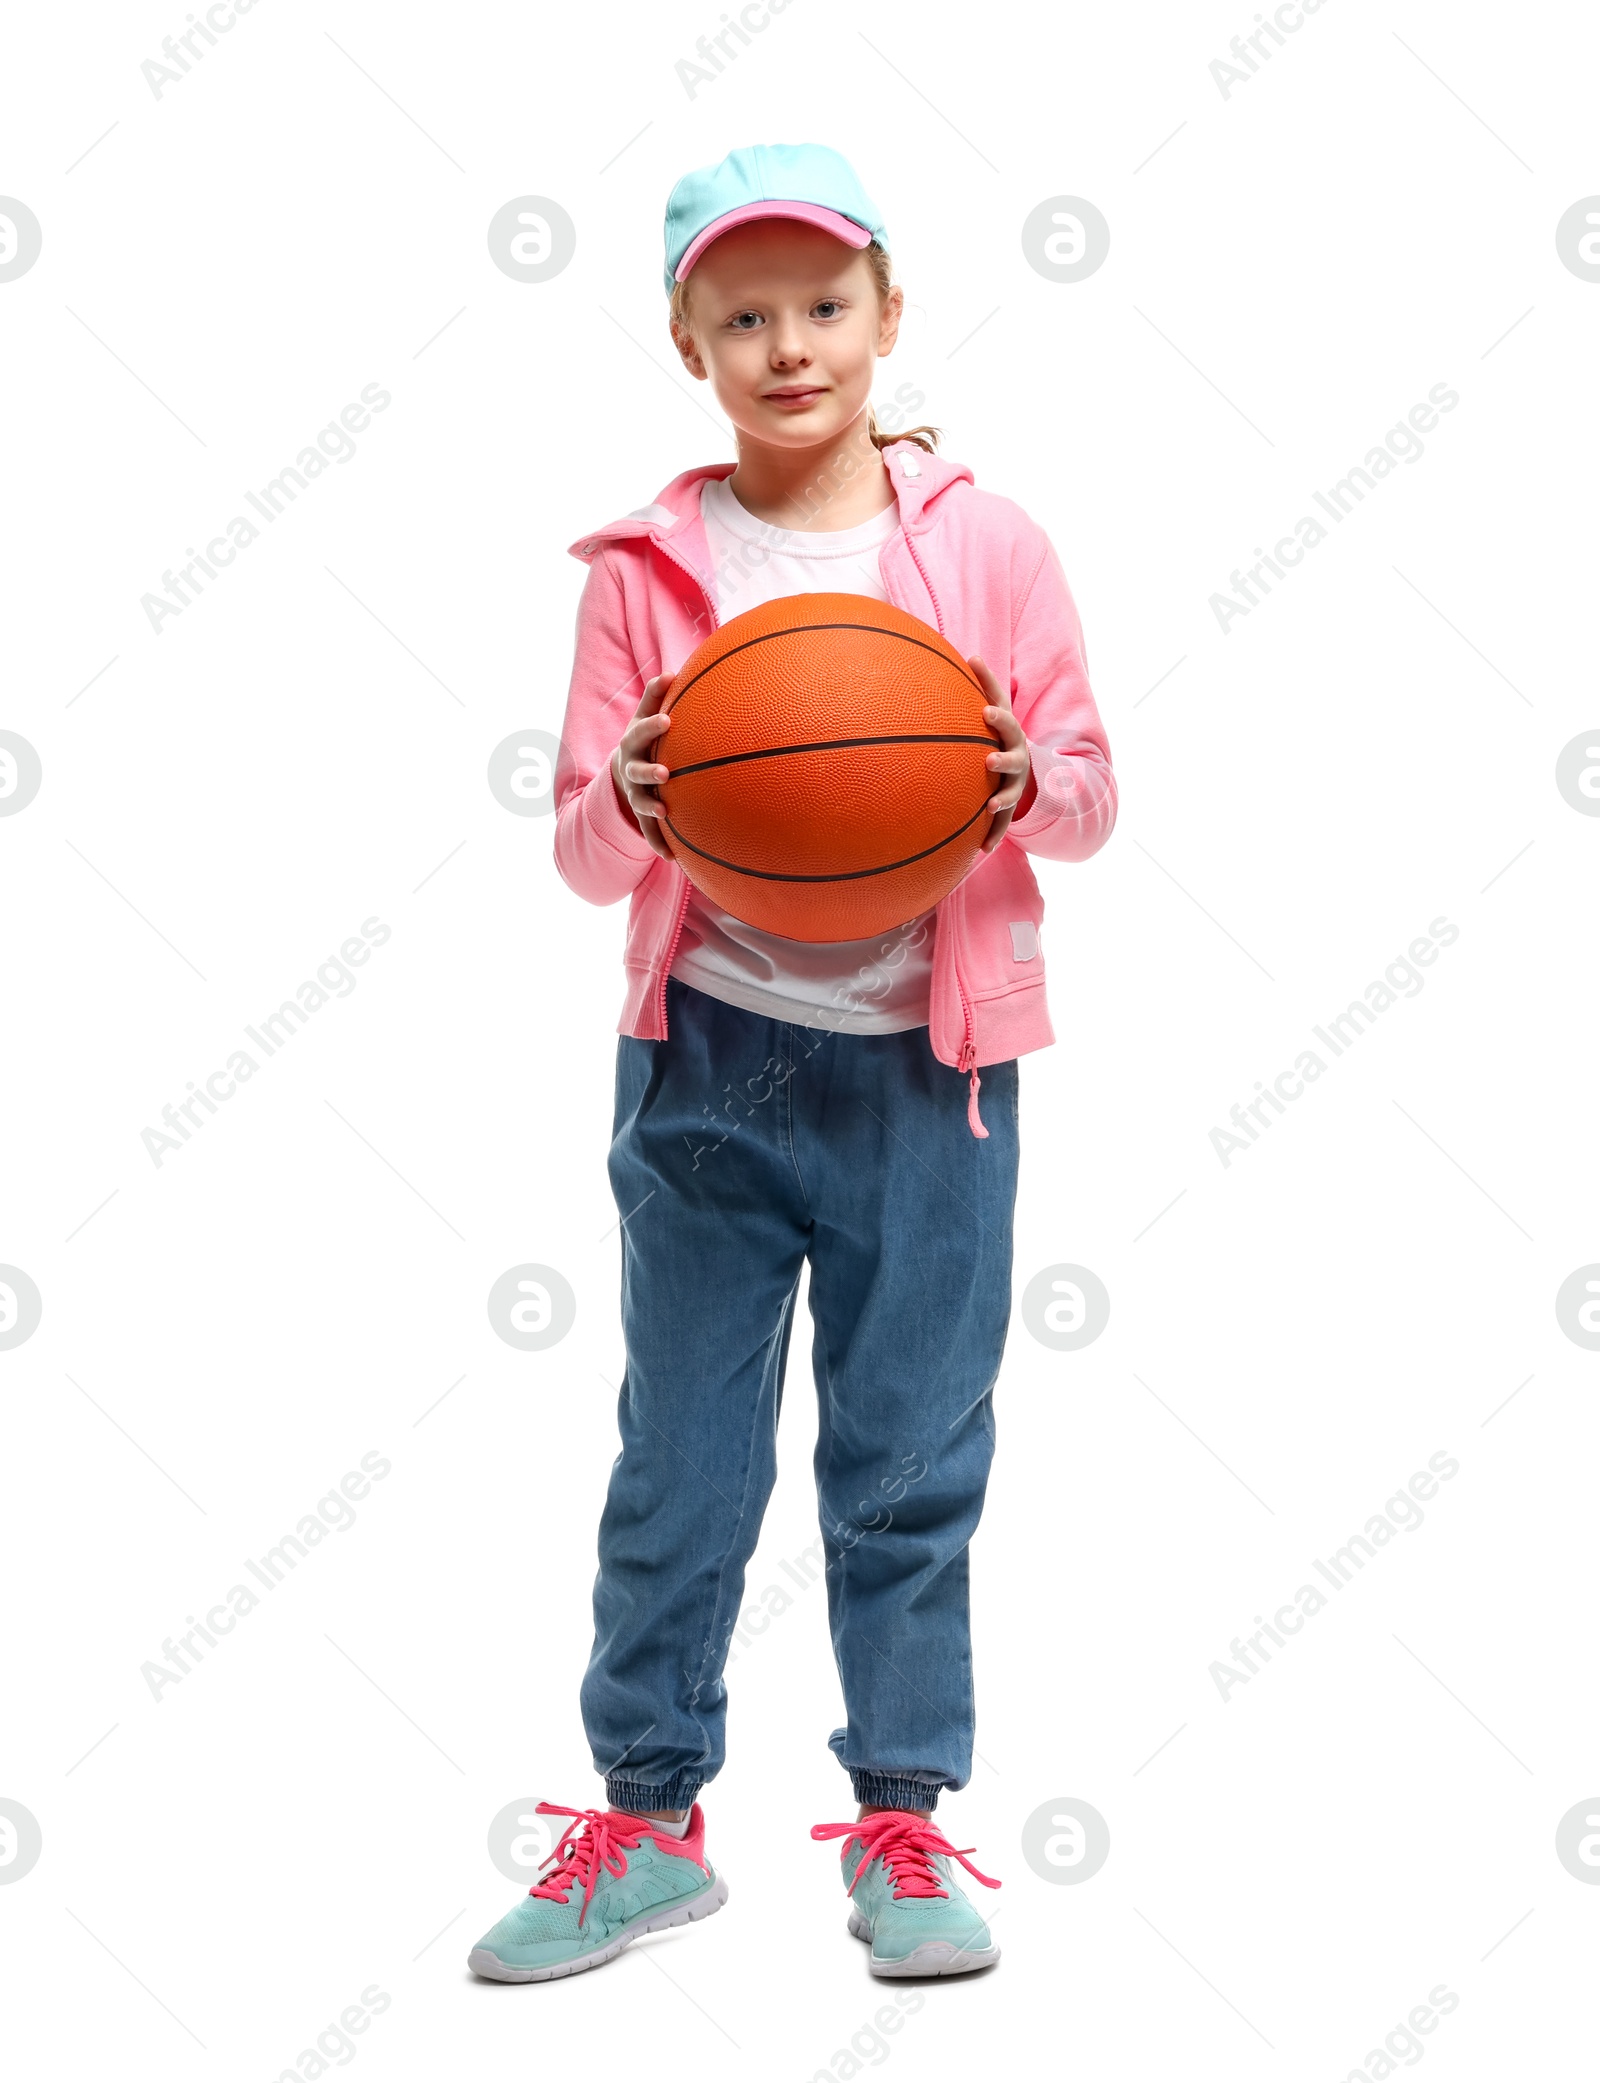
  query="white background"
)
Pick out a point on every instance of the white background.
point(1291, 1336)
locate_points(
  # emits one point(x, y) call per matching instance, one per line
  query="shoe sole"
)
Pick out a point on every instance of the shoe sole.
point(936, 1957)
point(493, 1969)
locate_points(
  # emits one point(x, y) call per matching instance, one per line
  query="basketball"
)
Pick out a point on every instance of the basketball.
point(827, 777)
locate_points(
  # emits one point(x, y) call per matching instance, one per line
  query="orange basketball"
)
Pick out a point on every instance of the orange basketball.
point(827, 767)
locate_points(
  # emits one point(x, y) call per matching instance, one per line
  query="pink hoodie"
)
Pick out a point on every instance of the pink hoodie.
point(985, 576)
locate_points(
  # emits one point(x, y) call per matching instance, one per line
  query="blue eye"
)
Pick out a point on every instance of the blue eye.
point(738, 321)
point(826, 306)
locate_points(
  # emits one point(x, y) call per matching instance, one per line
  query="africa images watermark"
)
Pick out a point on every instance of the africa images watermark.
point(1402, 1513)
point(1260, 41)
point(221, 17)
point(811, 1566)
point(1402, 444)
point(333, 978)
point(1401, 2043)
point(736, 35)
point(334, 2042)
point(335, 1513)
point(874, 978)
point(1402, 979)
point(332, 445)
point(868, 2047)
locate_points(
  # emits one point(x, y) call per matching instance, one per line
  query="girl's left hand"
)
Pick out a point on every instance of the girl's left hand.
point(1012, 763)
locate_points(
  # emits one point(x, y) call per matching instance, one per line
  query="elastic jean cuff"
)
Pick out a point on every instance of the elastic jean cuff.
point(635, 1798)
point(894, 1790)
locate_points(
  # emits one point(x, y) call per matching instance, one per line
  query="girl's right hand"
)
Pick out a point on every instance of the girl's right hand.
point(634, 770)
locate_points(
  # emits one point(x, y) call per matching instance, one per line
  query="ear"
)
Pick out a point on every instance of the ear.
point(889, 324)
point(683, 341)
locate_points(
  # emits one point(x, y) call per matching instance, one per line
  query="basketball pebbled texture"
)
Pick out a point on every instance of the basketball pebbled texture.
point(827, 777)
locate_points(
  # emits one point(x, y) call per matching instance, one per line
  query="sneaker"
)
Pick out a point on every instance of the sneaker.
point(904, 1899)
point(610, 1878)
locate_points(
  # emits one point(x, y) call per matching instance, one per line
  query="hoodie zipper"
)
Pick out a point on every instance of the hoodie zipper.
point(967, 1059)
point(684, 894)
point(922, 568)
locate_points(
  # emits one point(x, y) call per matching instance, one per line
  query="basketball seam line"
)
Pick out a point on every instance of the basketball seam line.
point(804, 629)
point(844, 875)
point(733, 759)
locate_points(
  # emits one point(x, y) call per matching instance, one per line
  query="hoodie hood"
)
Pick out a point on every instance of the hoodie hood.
point(918, 479)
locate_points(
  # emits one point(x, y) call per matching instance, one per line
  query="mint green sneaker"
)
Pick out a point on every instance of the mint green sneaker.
point(609, 1878)
point(904, 1899)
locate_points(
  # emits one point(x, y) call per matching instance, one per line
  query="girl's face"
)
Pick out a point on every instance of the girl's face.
point(787, 327)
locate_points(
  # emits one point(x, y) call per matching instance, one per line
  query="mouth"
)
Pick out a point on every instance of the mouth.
point(794, 394)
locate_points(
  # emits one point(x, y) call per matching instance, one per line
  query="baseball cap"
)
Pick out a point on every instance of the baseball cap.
point(811, 183)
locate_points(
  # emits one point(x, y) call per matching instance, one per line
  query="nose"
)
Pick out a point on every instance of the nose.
point(788, 349)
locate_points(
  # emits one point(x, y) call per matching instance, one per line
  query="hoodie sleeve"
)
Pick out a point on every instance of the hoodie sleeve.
point(1070, 803)
point(600, 851)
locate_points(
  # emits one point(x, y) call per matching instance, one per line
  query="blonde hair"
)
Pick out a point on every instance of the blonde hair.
point(877, 258)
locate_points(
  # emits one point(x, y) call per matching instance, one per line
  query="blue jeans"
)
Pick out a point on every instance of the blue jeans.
point(744, 1146)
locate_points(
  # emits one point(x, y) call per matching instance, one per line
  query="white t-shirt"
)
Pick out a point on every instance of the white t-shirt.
point(873, 986)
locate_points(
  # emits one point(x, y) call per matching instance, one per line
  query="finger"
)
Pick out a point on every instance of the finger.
point(654, 689)
point(1004, 724)
point(1014, 760)
point(997, 831)
point(649, 823)
point(644, 773)
point(653, 824)
point(644, 730)
point(990, 685)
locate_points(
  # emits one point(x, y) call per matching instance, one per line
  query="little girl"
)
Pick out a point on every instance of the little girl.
point(779, 1101)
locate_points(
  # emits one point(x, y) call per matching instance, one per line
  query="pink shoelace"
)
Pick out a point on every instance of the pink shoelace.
point(907, 1845)
point(593, 1841)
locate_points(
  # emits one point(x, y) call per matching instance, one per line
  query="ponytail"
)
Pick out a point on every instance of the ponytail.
point(926, 438)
